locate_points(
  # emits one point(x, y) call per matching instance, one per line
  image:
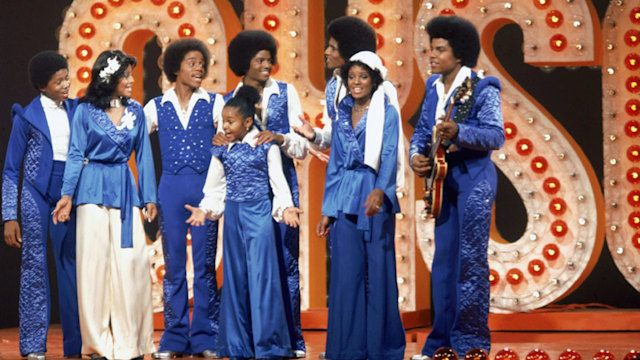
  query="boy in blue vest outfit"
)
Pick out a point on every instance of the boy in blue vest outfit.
point(185, 118)
point(460, 270)
point(252, 54)
point(38, 147)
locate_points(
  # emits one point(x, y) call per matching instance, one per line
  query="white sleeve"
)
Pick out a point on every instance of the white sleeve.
point(322, 140)
point(217, 111)
point(215, 189)
point(295, 145)
point(151, 114)
point(279, 187)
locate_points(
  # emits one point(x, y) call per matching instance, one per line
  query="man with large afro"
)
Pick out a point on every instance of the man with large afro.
point(185, 118)
point(460, 270)
point(37, 149)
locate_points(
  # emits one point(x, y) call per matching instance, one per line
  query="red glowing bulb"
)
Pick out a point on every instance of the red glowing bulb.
point(632, 128)
point(542, 4)
point(559, 228)
point(550, 252)
point(634, 219)
point(633, 153)
point(379, 41)
point(376, 20)
point(632, 61)
point(157, 2)
point(539, 164)
point(84, 74)
point(537, 354)
point(536, 267)
point(558, 42)
point(633, 84)
point(445, 353)
point(554, 19)
point(447, 11)
point(84, 52)
point(633, 175)
point(175, 10)
point(510, 130)
point(557, 206)
point(551, 185)
point(116, 3)
point(506, 353)
point(459, 4)
point(87, 30)
point(494, 277)
point(633, 107)
point(81, 92)
point(634, 198)
point(632, 37)
point(476, 354)
point(271, 22)
point(524, 147)
point(186, 30)
point(271, 3)
point(318, 121)
point(635, 240)
point(634, 15)
point(98, 10)
point(603, 355)
point(570, 354)
point(515, 276)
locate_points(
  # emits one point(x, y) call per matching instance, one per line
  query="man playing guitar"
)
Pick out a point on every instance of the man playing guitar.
point(460, 271)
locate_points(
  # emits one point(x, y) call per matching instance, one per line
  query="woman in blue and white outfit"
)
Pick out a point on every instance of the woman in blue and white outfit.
point(114, 291)
point(359, 206)
point(241, 178)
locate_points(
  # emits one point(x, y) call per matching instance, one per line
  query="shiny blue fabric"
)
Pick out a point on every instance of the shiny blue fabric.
point(364, 319)
point(278, 123)
point(29, 152)
point(252, 181)
point(460, 270)
point(106, 179)
point(201, 334)
point(188, 147)
point(253, 322)
point(330, 97)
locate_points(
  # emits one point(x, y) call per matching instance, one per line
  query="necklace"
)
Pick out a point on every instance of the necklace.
point(115, 103)
point(360, 109)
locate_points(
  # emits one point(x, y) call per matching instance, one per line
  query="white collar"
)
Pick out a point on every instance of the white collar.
point(47, 102)
point(171, 95)
point(249, 138)
point(270, 87)
point(462, 74)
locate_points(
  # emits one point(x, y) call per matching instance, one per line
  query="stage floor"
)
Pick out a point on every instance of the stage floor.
point(586, 343)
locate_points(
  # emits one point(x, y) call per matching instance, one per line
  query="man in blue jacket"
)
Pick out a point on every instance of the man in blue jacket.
point(460, 270)
point(37, 148)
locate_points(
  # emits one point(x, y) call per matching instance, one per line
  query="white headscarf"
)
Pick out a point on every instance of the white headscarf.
point(376, 115)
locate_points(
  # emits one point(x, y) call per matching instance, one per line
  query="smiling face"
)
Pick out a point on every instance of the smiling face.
point(192, 70)
point(260, 66)
point(125, 84)
point(57, 88)
point(234, 124)
point(332, 56)
point(441, 58)
point(359, 83)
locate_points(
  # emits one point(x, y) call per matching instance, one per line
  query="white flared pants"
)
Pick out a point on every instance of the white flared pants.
point(114, 285)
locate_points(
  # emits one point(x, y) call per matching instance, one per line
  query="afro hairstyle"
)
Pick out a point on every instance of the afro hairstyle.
point(461, 35)
point(43, 66)
point(101, 88)
point(353, 35)
point(177, 50)
point(244, 101)
point(246, 45)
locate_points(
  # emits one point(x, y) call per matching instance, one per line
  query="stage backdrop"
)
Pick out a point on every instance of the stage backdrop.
point(569, 171)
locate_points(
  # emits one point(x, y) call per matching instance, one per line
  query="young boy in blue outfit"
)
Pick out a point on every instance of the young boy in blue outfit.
point(185, 118)
point(38, 147)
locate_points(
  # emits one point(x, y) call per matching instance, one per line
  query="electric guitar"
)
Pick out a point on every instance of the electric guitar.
point(433, 183)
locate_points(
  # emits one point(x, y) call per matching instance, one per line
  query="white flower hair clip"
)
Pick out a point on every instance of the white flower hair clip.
point(112, 66)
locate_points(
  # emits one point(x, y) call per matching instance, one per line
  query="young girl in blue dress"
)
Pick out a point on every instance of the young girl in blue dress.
point(241, 177)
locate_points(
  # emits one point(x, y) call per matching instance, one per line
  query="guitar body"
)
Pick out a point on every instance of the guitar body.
point(434, 183)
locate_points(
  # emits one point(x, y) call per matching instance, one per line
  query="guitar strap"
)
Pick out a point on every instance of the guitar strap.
point(463, 108)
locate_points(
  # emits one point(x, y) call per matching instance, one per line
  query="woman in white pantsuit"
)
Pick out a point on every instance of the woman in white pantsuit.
point(114, 289)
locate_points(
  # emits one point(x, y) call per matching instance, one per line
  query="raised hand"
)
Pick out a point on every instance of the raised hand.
point(266, 136)
point(220, 140)
point(305, 129)
point(197, 217)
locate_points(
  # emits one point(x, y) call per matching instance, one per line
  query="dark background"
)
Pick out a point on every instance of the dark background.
point(27, 27)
